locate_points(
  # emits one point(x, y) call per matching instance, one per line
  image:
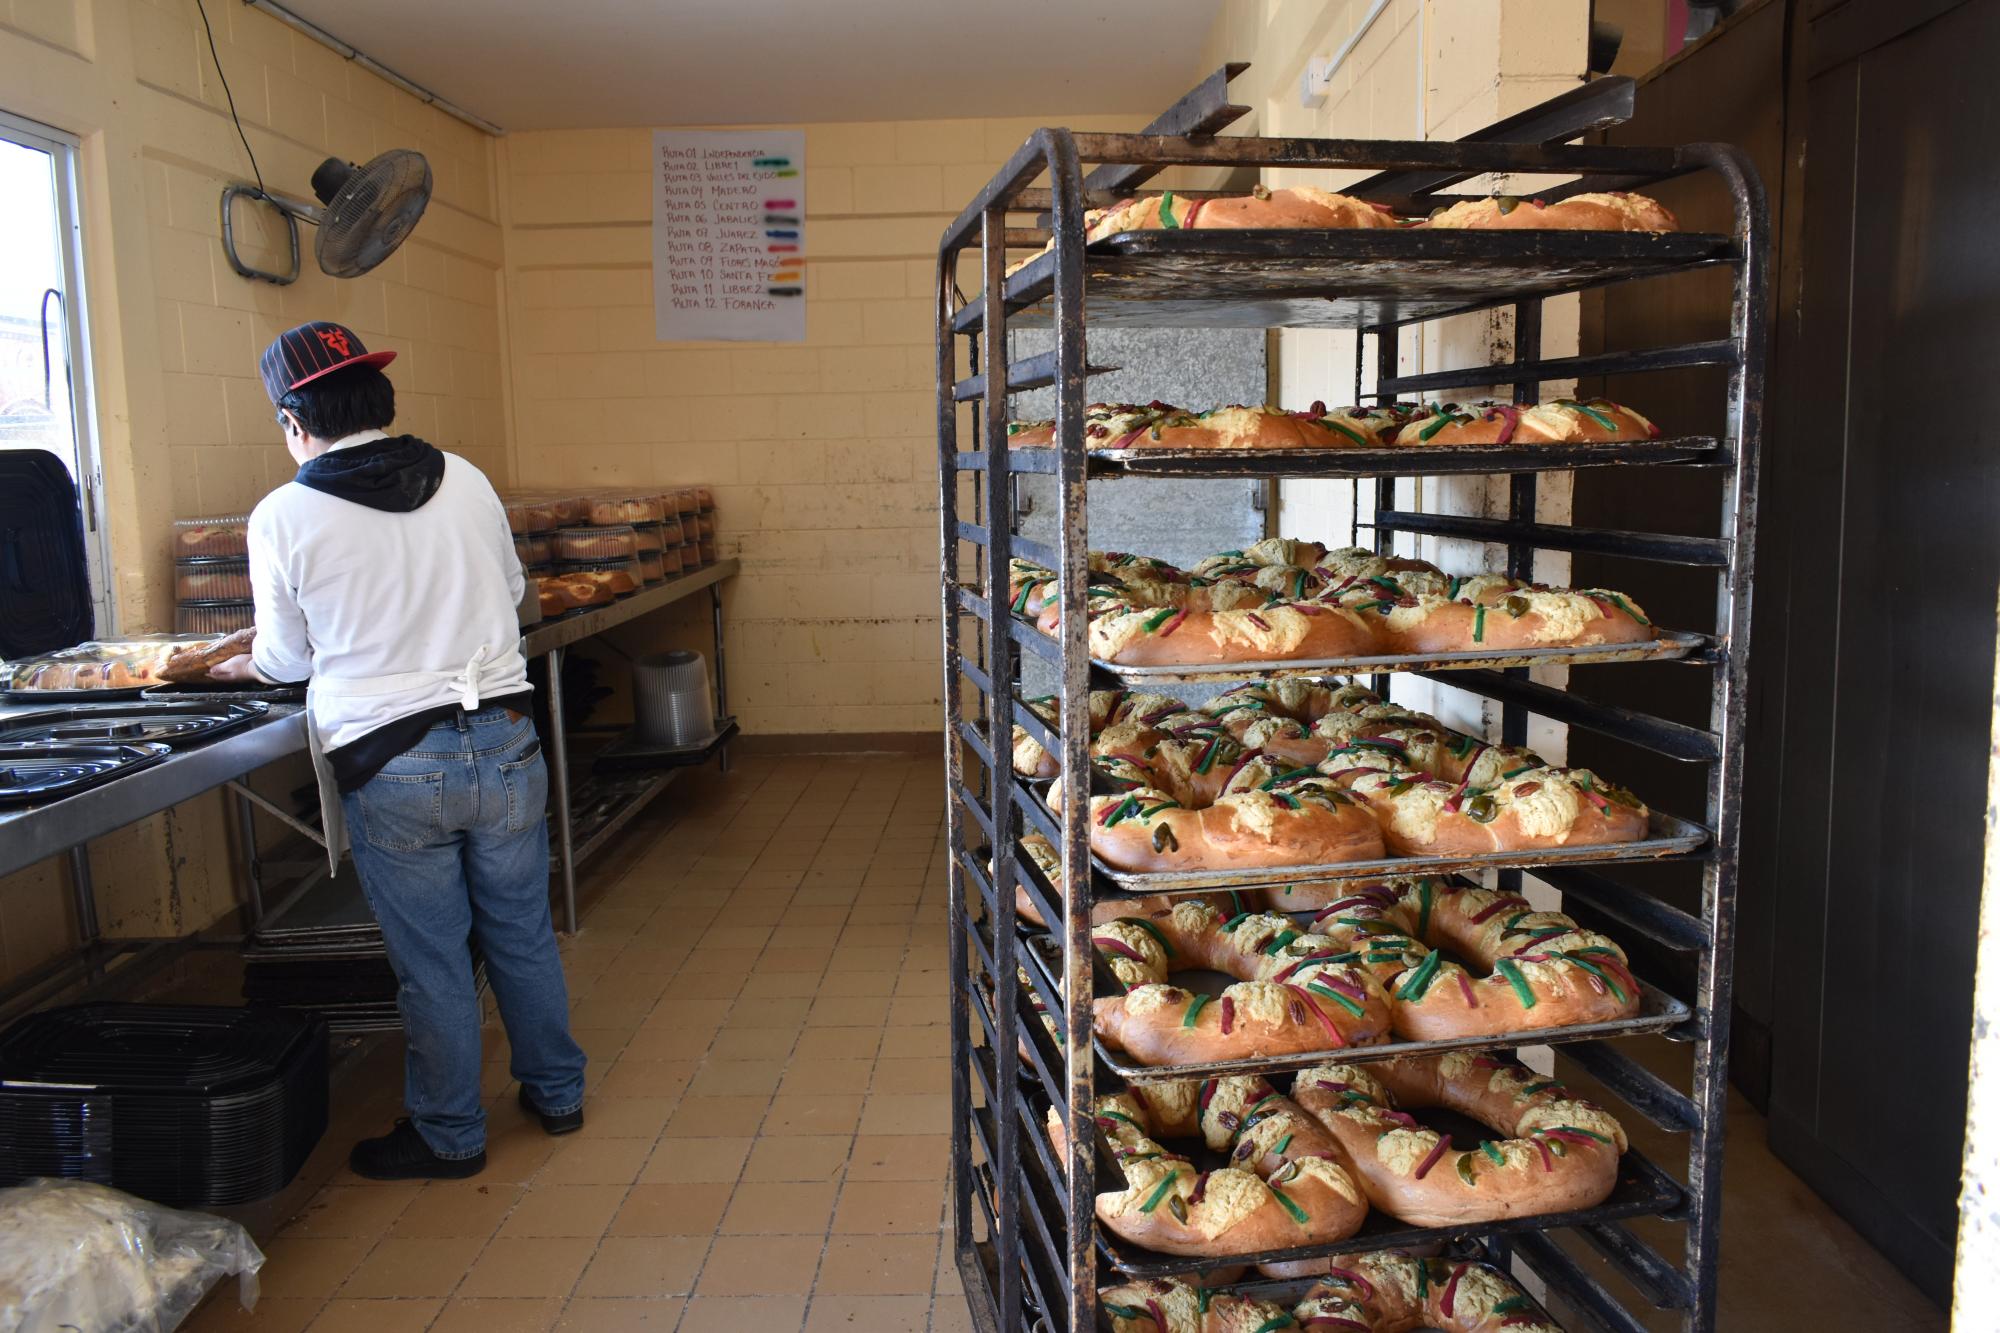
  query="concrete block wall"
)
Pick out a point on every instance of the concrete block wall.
point(183, 426)
point(823, 454)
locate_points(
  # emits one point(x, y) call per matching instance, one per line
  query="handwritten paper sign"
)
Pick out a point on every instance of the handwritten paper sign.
point(729, 211)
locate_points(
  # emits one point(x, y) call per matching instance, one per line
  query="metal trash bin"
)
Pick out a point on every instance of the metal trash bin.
point(672, 703)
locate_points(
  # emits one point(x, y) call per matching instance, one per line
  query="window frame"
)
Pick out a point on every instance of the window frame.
point(64, 149)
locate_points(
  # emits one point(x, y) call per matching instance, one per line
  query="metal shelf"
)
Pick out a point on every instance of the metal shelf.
point(1337, 279)
point(574, 628)
point(1040, 1257)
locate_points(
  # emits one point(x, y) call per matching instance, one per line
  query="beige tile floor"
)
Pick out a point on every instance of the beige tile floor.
point(761, 987)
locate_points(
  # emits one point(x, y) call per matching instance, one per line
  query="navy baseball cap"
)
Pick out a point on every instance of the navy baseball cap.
point(302, 355)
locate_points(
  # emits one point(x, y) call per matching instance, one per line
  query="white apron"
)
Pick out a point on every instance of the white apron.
point(469, 682)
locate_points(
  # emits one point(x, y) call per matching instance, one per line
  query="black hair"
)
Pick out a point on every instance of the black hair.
point(344, 402)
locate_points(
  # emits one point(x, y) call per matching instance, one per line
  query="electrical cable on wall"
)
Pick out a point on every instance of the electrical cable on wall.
point(229, 96)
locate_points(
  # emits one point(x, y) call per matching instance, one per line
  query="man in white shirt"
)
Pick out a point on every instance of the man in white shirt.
point(385, 574)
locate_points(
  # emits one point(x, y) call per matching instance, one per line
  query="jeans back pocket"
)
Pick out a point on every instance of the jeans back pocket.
point(402, 812)
point(527, 783)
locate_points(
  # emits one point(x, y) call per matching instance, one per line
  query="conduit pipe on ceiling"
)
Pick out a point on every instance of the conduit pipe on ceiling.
point(373, 66)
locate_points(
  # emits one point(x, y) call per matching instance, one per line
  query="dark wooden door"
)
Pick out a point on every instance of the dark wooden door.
point(1890, 530)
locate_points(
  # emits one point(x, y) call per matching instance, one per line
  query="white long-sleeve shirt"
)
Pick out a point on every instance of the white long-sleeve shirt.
point(347, 591)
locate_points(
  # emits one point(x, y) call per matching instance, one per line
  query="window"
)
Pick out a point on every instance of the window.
point(44, 373)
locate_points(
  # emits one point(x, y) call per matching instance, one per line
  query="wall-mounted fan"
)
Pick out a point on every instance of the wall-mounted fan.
point(368, 211)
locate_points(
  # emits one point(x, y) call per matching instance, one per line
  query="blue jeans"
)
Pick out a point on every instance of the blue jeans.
point(451, 840)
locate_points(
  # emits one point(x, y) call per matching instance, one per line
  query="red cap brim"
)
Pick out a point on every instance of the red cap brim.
point(365, 359)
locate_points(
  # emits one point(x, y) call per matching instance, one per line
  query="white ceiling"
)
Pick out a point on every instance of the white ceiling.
point(544, 64)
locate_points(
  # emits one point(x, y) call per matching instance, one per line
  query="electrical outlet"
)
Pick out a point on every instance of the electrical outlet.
point(1315, 81)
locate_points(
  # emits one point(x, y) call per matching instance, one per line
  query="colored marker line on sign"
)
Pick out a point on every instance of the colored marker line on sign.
point(781, 219)
point(771, 162)
point(781, 233)
point(781, 203)
point(784, 277)
point(784, 173)
point(782, 249)
point(785, 291)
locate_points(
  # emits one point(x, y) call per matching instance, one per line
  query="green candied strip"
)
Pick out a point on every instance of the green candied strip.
point(1424, 916)
point(1420, 980)
point(1511, 1304)
point(1587, 1133)
point(1286, 799)
point(1126, 807)
point(1543, 1086)
point(1277, 1321)
point(1208, 756)
point(1125, 1311)
point(1383, 957)
point(1351, 434)
point(1283, 1144)
point(1159, 936)
point(1299, 1215)
point(1229, 926)
point(1120, 1115)
point(1513, 773)
point(1343, 1001)
point(1486, 1146)
point(1279, 941)
point(1285, 776)
point(1159, 618)
point(1595, 971)
point(1351, 956)
point(1444, 419)
point(1456, 583)
point(1165, 1186)
point(1624, 606)
point(1193, 1010)
point(1591, 412)
point(1167, 218)
point(1507, 968)
point(1463, 746)
point(1021, 602)
point(1203, 1296)
point(1479, 623)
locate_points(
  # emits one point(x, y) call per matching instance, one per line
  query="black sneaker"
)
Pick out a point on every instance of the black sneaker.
point(569, 1122)
point(402, 1154)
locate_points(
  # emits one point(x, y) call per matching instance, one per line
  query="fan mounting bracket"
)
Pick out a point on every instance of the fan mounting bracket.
point(230, 194)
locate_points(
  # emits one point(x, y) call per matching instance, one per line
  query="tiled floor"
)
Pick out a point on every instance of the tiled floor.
point(761, 989)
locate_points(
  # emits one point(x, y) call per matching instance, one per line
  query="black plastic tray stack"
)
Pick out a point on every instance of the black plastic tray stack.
point(323, 953)
point(1025, 1236)
point(190, 1106)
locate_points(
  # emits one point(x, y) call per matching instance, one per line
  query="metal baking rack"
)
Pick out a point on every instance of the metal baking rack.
point(1024, 1231)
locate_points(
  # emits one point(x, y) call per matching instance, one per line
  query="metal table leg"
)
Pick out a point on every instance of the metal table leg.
point(84, 894)
point(721, 675)
point(253, 869)
point(558, 750)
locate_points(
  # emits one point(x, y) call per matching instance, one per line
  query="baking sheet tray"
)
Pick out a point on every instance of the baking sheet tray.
point(1667, 835)
point(1658, 1012)
point(1393, 461)
point(1669, 645)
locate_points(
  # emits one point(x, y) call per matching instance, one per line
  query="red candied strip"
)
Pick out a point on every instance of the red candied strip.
point(1423, 1167)
point(1159, 714)
point(1353, 1279)
point(1207, 1092)
point(1569, 1136)
point(1548, 1162)
point(1512, 415)
point(1488, 1062)
point(1458, 794)
point(1492, 910)
point(1304, 608)
point(1338, 774)
point(1159, 1319)
point(1330, 1085)
point(1358, 900)
point(1119, 947)
point(1403, 1118)
point(1335, 1321)
point(1464, 984)
point(1451, 1290)
point(1317, 1012)
point(1172, 623)
point(1347, 988)
point(1309, 958)
point(1257, 620)
point(1127, 440)
point(1228, 1015)
point(1242, 763)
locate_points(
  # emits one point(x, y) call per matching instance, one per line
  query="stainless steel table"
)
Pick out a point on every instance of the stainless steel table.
point(553, 639)
point(67, 826)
